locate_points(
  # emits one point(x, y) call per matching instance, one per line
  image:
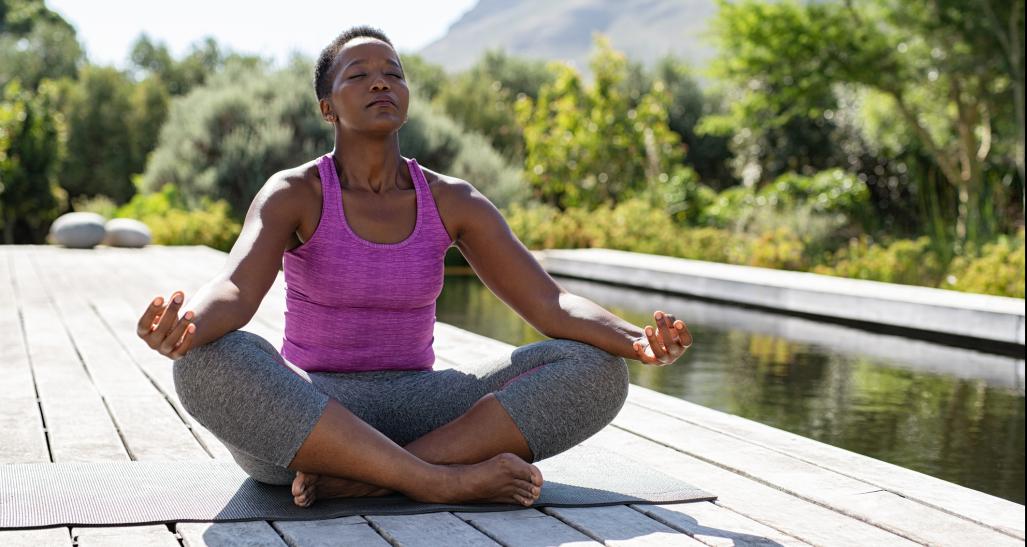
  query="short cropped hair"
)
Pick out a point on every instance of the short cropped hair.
point(322, 78)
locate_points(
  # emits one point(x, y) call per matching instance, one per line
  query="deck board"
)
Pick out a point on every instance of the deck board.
point(80, 385)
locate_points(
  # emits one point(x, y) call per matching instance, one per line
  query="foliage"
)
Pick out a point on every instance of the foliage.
point(35, 44)
point(587, 146)
point(910, 262)
point(172, 223)
point(786, 62)
point(707, 154)
point(101, 205)
point(179, 76)
point(999, 269)
point(31, 143)
point(102, 148)
point(425, 79)
point(226, 137)
point(440, 144)
point(481, 99)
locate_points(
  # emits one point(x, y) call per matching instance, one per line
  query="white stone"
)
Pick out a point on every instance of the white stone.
point(127, 232)
point(78, 230)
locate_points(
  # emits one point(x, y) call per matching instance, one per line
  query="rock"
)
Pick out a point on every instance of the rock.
point(127, 232)
point(78, 230)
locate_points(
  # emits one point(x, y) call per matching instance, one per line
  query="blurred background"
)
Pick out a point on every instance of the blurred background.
point(877, 139)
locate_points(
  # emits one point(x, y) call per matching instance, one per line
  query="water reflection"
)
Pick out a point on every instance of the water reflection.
point(953, 413)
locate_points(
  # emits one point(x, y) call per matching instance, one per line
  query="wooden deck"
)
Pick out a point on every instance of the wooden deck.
point(79, 386)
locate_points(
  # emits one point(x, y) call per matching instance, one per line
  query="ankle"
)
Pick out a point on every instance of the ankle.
point(433, 484)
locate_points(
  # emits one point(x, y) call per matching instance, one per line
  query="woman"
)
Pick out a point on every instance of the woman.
point(351, 406)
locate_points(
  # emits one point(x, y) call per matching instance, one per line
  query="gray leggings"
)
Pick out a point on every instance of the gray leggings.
point(558, 392)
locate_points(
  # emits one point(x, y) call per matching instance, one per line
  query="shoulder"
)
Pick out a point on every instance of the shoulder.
point(460, 202)
point(294, 185)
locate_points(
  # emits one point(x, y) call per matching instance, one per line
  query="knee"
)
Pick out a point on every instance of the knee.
point(199, 375)
point(607, 372)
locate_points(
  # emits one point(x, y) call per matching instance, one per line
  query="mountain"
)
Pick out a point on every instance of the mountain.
point(645, 30)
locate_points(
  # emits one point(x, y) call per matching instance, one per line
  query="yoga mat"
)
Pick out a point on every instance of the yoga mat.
point(147, 492)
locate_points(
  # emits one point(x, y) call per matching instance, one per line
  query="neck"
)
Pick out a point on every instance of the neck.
point(368, 164)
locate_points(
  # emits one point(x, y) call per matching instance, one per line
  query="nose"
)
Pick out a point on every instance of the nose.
point(379, 84)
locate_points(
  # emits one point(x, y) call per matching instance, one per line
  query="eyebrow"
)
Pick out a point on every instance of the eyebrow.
point(358, 61)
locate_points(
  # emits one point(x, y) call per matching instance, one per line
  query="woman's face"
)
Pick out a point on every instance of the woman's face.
point(369, 93)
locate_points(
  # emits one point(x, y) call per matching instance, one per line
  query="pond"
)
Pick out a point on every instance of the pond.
point(953, 413)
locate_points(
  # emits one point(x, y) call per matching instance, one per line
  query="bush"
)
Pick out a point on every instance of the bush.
point(999, 270)
point(171, 223)
point(101, 205)
point(909, 262)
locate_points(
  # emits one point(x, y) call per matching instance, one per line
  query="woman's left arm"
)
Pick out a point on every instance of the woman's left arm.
point(510, 271)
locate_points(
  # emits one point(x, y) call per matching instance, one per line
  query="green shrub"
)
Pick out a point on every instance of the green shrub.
point(780, 248)
point(101, 205)
point(909, 262)
point(999, 269)
point(171, 223)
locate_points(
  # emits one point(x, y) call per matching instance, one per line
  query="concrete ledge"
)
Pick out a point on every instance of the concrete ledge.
point(983, 317)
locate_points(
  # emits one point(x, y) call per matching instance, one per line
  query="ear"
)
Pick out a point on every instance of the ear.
point(326, 111)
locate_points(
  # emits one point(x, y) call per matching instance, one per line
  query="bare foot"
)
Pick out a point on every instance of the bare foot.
point(505, 478)
point(308, 487)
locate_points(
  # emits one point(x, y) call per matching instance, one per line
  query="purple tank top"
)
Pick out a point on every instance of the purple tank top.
point(354, 305)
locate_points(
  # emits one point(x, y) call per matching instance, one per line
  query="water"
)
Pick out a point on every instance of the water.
point(952, 413)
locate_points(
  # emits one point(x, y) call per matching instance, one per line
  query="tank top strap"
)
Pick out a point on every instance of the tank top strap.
point(329, 187)
point(428, 212)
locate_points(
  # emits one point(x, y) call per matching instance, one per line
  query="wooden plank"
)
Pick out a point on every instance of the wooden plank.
point(228, 534)
point(155, 535)
point(846, 495)
point(769, 506)
point(982, 508)
point(149, 425)
point(428, 530)
point(525, 528)
point(43, 537)
point(325, 533)
point(20, 417)
point(190, 267)
point(716, 525)
point(621, 526)
point(79, 426)
point(120, 320)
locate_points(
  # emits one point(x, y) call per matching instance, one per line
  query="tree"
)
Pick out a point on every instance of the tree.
point(585, 146)
point(35, 44)
point(102, 151)
point(482, 98)
point(31, 141)
point(180, 76)
point(787, 60)
point(226, 137)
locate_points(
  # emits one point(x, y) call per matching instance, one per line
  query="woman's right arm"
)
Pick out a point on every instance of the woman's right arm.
point(230, 299)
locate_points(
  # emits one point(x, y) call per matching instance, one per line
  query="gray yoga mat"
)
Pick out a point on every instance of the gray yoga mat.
point(143, 492)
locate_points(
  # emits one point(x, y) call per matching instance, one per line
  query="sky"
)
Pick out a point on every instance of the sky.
point(107, 28)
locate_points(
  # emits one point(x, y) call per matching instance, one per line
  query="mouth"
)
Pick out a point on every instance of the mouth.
point(382, 102)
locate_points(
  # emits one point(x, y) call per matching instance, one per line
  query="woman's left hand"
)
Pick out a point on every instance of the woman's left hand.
point(663, 346)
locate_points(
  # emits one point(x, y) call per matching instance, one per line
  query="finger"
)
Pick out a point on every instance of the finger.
point(169, 317)
point(639, 347)
point(186, 344)
point(146, 321)
point(666, 331)
point(683, 334)
point(654, 342)
point(175, 336)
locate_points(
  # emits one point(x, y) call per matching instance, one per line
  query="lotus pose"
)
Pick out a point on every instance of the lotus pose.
point(351, 404)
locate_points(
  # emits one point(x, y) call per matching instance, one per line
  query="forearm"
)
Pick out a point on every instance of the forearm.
point(578, 318)
point(218, 308)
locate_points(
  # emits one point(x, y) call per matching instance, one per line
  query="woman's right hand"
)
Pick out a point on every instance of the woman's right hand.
point(163, 331)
